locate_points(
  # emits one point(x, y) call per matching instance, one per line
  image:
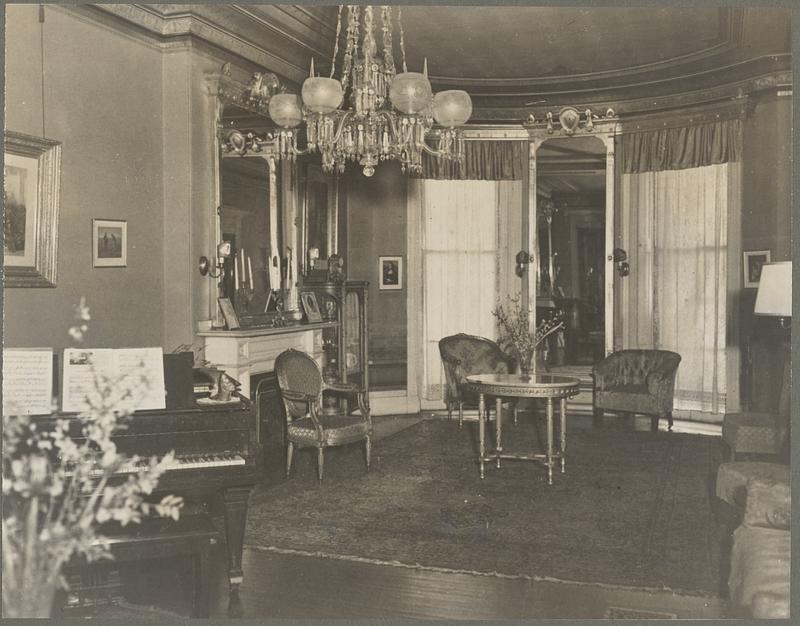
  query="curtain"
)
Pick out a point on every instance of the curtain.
point(674, 224)
point(483, 160)
point(470, 234)
point(681, 148)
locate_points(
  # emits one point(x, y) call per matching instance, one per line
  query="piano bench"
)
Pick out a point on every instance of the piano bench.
point(192, 536)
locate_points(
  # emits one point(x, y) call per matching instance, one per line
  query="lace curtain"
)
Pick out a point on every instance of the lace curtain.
point(679, 223)
point(470, 234)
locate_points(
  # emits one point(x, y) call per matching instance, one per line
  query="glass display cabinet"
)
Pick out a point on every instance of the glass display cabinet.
point(344, 343)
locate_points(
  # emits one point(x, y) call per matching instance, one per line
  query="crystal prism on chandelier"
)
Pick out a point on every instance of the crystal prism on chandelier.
point(390, 116)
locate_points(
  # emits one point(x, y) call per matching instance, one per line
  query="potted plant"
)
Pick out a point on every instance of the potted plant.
point(513, 320)
point(57, 492)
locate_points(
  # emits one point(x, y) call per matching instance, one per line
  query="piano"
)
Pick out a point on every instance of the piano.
point(216, 454)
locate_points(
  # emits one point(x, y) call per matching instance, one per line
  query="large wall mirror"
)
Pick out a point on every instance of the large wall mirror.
point(570, 190)
point(251, 217)
point(319, 220)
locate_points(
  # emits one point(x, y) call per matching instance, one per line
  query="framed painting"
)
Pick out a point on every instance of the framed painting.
point(32, 172)
point(390, 272)
point(754, 260)
point(109, 243)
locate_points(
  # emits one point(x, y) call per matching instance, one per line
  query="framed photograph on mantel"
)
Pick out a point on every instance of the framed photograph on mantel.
point(390, 272)
point(109, 243)
point(32, 170)
point(754, 260)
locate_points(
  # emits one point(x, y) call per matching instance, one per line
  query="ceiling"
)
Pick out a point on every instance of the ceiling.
point(517, 60)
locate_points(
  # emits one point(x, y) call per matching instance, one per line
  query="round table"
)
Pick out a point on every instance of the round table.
point(548, 386)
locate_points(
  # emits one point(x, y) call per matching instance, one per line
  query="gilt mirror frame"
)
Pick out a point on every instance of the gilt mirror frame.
point(572, 122)
point(31, 192)
point(253, 98)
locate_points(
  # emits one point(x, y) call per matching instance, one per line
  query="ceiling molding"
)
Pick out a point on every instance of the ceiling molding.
point(487, 111)
point(283, 38)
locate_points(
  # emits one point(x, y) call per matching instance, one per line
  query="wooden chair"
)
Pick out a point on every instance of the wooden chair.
point(301, 386)
point(466, 355)
point(636, 381)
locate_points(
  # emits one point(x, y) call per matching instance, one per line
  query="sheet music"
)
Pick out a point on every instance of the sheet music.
point(138, 370)
point(27, 381)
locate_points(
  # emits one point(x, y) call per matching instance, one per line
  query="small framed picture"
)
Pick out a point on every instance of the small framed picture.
point(754, 260)
point(229, 313)
point(390, 272)
point(109, 243)
point(309, 301)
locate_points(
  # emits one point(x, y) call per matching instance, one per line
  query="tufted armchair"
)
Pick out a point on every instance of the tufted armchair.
point(464, 355)
point(636, 381)
point(301, 386)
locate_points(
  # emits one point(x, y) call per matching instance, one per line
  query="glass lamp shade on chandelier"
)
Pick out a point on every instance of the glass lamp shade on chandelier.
point(390, 115)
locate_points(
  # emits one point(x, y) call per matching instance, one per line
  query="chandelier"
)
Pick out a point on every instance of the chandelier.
point(390, 115)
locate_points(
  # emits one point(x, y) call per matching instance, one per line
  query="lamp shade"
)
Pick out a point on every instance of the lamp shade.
point(322, 95)
point(410, 92)
point(452, 108)
point(285, 111)
point(775, 290)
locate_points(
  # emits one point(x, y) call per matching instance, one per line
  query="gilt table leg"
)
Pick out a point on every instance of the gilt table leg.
point(481, 427)
point(563, 433)
point(498, 408)
point(549, 441)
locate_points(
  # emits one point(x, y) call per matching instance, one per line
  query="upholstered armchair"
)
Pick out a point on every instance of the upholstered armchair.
point(465, 355)
point(301, 386)
point(636, 381)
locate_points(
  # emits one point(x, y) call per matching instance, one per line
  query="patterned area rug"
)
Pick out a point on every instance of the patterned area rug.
point(633, 508)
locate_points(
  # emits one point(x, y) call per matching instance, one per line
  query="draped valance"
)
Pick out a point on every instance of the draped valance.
point(682, 147)
point(483, 160)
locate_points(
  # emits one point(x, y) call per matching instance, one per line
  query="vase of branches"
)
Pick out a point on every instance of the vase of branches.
point(513, 319)
point(58, 492)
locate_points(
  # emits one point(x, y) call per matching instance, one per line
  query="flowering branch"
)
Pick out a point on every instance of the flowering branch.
point(513, 320)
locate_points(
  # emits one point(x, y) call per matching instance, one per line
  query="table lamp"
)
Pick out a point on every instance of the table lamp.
point(774, 296)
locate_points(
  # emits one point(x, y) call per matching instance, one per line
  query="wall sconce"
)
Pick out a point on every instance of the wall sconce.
point(223, 252)
point(620, 257)
point(522, 259)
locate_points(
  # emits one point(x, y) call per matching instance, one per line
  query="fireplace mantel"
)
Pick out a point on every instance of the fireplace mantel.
point(243, 353)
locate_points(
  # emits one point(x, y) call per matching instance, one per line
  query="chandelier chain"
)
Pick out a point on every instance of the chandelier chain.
point(352, 43)
point(388, 56)
point(336, 41)
point(402, 37)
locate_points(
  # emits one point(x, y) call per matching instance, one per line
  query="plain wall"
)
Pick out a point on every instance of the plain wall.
point(103, 102)
point(766, 225)
point(376, 226)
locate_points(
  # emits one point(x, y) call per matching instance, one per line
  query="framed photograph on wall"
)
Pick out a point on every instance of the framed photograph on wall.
point(390, 272)
point(309, 301)
point(754, 260)
point(32, 171)
point(228, 313)
point(109, 243)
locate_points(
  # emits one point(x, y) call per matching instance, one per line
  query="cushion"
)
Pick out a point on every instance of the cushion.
point(760, 563)
point(770, 606)
point(337, 429)
point(629, 398)
point(732, 479)
point(769, 504)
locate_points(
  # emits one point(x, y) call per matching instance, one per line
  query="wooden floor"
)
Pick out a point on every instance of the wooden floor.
point(291, 586)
